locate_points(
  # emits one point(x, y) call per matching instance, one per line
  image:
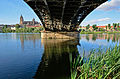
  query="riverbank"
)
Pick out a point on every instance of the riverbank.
point(100, 32)
point(98, 65)
point(22, 30)
point(38, 30)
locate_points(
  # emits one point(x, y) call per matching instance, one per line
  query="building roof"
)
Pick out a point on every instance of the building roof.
point(30, 22)
point(98, 27)
point(102, 26)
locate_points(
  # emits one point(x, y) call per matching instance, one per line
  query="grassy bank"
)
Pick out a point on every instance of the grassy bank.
point(100, 65)
point(99, 32)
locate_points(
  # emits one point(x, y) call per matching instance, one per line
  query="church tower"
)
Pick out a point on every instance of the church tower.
point(21, 20)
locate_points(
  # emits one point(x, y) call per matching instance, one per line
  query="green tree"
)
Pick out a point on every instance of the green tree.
point(102, 29)
point(8, 30)
point(17, 26)
point(4, 29)
point(94, 27)
point(106, 27)
point(5, 26)
point(114, 25)
point(118, 25)
point(109, 26)
point(88, 26)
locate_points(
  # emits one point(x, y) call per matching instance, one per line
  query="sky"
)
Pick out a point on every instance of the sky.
point(11, 10)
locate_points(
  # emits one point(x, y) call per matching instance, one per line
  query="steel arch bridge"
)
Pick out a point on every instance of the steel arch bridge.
point(62, 15)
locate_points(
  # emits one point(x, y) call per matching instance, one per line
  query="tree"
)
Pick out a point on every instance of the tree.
point(5, 26)
point(106, 28)
point(117, 26)
point(102, 29)
point(114, 25)
point(8, 30)
point(4, 29)
point(94, 27)
point(109, 26)
point(88, 26)
point(17, 26)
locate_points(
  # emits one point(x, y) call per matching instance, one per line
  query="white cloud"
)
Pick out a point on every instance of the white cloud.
point(95, 21)
point(110, 5)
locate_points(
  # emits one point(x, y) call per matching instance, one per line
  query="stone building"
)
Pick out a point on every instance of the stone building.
point(28, 23)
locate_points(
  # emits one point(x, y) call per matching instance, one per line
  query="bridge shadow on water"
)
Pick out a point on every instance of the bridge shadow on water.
point(56, 59)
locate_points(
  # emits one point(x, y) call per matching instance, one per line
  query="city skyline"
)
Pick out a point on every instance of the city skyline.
point(107, 13)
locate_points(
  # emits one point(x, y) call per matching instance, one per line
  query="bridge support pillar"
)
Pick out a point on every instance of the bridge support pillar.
point(59, 35)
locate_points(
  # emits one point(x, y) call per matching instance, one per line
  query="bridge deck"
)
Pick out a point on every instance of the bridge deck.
point(63, 15)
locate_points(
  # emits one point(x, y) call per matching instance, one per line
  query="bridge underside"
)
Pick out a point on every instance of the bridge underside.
point(62, 15)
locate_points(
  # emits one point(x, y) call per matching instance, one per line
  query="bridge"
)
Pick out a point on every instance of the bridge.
point(63, 15)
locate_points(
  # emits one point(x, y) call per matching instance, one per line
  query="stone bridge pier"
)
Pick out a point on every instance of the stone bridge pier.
point(60, 35)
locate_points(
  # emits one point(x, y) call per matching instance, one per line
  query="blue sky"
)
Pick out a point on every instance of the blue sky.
point(10, 11)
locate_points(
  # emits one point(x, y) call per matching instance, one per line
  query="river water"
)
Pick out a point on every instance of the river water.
point(27, 56)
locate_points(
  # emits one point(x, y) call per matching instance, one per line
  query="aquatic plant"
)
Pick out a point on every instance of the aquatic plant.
point(98, 65)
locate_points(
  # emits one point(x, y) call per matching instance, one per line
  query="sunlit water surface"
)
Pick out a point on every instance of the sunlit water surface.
point(27, 56)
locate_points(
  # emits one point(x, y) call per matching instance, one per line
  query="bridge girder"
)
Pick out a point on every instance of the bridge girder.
point(63, 15)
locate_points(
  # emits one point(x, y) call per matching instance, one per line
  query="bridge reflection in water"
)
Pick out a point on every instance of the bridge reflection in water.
point(56, 59)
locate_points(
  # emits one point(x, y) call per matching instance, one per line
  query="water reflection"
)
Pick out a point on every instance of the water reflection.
point(27, 56)
point(93, 37)
point(16, 63)
point(96, 41)
point(29, 37)
point(56, 58)
point(59, 54)
point(55, 63)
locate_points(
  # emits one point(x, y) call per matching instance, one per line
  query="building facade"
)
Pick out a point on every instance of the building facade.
point(28, 23)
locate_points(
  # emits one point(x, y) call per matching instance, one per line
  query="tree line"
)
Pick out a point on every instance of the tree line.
point(115, 27)
point(19, 29)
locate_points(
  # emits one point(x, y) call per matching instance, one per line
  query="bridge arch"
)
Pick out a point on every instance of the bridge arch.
point(63, 15)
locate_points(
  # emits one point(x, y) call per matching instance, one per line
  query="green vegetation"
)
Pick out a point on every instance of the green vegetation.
point(98, 65)
point(109, 26)
point(19, 29)
point(17, 26)
point(106, 27)
point(117, 25)
point(94, 27)
point(88, 26)
point(114, 25)
point(98, 30)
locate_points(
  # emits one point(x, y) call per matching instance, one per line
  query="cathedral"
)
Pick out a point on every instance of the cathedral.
point(28, 23)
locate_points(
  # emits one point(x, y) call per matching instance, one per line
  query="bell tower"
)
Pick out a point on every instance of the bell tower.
point(21, 20)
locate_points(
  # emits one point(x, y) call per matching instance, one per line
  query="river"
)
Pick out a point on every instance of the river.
point(27, 56)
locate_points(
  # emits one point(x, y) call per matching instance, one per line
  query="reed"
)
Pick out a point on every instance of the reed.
point(98, 65)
